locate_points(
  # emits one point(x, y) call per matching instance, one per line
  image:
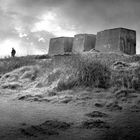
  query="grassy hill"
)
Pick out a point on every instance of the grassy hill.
point(95, 70)
point(82, 94)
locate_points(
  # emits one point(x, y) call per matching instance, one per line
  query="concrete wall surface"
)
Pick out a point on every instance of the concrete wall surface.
point(116, 40)
point(83, 42)
point(108, 40)
point(60, 45)
point(128, 41)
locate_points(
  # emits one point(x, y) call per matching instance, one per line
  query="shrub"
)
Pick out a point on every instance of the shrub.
point(93, 74)
point(66, 84)
point(136, 79)
point(86, 73)
point(129, 79)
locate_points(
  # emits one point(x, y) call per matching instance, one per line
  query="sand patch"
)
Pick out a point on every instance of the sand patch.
point(114, 106)
point(90, 124)
point(95, 114)
point(48, 128)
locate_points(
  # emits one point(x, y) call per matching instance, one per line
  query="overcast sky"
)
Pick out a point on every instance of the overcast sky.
point(28, 25)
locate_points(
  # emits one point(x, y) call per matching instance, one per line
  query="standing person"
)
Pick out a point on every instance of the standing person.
point(13, 52)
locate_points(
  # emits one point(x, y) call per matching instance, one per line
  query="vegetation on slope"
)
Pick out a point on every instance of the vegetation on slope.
point(82, 70)
point(97, 72)
point(9, 64)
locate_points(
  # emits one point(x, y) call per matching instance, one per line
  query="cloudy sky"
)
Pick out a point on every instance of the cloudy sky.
point(27, 25)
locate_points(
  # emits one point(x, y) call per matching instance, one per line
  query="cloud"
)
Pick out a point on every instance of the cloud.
point(29, 20)
point(96, 15)
point(33, 20)
point(50, 22)
point(91, 14)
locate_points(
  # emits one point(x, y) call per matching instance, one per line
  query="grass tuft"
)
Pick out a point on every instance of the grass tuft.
point(86, 73)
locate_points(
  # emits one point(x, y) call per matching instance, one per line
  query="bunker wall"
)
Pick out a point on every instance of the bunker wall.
point(68, 44)
point(60, 45)
point(90, 41)
point(128, 41)
point(78, 43)
point(108, 40)
point(117, 40)
point(84, 42)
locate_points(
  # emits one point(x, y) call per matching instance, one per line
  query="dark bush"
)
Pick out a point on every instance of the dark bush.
point(67, 84)
point(93, 74)
point(88, 74)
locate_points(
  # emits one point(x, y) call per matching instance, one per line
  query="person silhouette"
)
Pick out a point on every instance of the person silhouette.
point(13, 52)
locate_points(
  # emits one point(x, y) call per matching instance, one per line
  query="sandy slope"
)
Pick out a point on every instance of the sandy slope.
point(71, 120)
point(31, 110)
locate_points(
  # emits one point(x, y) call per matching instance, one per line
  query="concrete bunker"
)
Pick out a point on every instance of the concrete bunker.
point(117, 40)
point(83, 42)
point(60, 45)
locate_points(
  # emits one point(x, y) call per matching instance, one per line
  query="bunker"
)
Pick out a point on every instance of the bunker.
point(117, 40)
point(60, 46)
point(83, 42)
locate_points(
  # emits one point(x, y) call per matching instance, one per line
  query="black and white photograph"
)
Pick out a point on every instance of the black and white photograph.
point(69, 69)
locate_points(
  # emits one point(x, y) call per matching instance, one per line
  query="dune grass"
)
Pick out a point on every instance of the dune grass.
point(9, 64)
point(93, 74)
point(81, 71)
point(126, 79)
point(87, 72)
